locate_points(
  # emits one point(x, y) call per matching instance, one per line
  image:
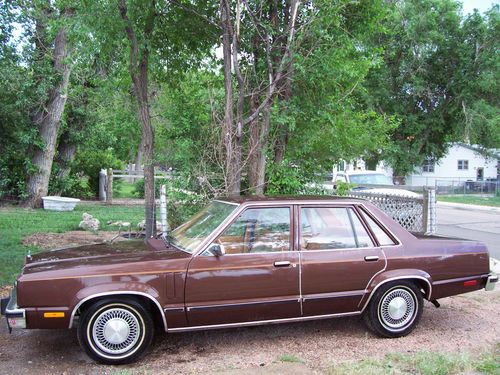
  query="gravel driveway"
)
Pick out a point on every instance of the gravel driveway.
point(467, 323)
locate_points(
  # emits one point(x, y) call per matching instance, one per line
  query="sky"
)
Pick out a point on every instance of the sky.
point(468, 7)
point(481, 5)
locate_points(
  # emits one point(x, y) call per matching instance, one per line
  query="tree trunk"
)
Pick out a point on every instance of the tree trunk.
point(253, 147)
point(233, 147)
point(258, 143)
point(66, 151)
point(48, 120)
point(283, 132)
point(138, 69)
point(263, 144)
point(149, 174)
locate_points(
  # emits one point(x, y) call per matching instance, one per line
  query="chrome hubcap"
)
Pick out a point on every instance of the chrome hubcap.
point(116, 331)
point(397, 308)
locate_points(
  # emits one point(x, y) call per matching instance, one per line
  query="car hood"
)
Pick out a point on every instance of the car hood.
point(99, 255)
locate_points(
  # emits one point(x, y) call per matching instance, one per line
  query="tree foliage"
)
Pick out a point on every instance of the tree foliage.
point(378, 79)
point(437, 77)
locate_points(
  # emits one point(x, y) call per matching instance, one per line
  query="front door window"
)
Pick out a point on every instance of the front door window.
point(258, 230)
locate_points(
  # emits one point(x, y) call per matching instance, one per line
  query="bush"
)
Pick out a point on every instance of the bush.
point(74, 185)
point(289, 179)
point(90, 163)
point(139, 188)
point(285, 179)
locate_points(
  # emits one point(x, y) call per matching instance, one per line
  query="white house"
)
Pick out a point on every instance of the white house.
point(461, 163)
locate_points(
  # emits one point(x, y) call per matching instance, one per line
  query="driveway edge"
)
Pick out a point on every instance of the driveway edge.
point(463, 206)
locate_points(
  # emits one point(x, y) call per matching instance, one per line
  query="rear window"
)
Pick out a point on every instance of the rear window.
point(383, 238)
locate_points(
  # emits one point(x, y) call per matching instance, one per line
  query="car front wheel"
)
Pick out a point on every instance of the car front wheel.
point(115, 331)
point(395, 309)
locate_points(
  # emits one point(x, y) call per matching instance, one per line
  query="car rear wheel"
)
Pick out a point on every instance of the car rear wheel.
point(115, 331)
point(395, 309)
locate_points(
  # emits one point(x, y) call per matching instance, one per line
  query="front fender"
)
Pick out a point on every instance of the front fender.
point(115, 289)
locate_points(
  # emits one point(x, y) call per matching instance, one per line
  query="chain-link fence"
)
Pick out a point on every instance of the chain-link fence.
point(415, 214)
point(467, 187)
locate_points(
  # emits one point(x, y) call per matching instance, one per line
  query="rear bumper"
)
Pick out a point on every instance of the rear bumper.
point(16, 317)
point(490, 282)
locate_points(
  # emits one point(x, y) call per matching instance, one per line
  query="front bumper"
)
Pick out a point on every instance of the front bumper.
point(16, 317)
point(490, 282)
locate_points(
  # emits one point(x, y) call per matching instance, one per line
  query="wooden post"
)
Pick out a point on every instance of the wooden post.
point(109, 186)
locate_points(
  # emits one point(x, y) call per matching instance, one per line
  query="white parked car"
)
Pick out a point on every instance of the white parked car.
point(368, 180)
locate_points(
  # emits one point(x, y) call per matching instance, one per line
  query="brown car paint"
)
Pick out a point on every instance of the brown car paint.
point(193, 291)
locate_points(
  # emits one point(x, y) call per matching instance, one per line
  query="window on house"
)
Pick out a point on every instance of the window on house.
point(463, 165)
point(428, 165)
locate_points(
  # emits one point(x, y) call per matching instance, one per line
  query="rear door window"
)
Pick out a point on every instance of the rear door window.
point(325, 228)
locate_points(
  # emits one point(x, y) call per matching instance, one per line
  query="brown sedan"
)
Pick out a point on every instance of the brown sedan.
point(243, 262)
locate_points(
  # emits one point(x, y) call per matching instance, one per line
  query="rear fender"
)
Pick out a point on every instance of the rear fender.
point(423, 278)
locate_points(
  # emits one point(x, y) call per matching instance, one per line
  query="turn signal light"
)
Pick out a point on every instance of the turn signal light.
point(53, 314)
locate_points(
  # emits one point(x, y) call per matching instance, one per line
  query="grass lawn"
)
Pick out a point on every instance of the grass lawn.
point(16, 223)
point(471, 199)
point(124, 190)
point(424, 363)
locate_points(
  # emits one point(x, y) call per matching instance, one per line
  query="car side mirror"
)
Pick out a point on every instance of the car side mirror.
point(217, 250)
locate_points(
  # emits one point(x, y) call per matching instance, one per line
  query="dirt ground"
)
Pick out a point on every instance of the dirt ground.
point(468, 323)
point(77, 237)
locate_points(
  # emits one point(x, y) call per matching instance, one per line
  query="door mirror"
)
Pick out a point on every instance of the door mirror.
point(217, 250)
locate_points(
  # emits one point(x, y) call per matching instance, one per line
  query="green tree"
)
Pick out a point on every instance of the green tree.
point(438, 78)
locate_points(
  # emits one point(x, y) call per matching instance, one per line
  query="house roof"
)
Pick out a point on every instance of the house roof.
point(486, 152)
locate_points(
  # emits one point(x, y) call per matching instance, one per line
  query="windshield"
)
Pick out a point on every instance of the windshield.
point(373, 179)
point(190, 234)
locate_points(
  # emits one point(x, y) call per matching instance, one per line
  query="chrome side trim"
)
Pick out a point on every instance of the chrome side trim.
point(352, 293)
point(203, 246)
point(232, 203)
point(460, 279)
point(115, 293)
point(397, 278)
point(174, 309)
point(223, 305)
point(262, 322)
point(300, 285)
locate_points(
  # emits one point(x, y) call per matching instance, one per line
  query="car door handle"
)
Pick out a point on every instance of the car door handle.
point(371, 258)
point(284, 263)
